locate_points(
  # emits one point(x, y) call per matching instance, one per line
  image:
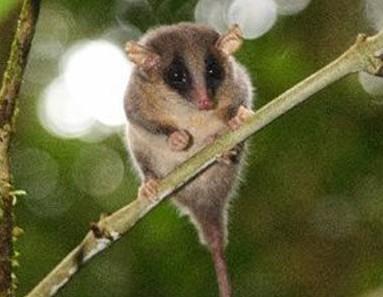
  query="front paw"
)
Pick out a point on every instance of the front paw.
point(243, 114)
point(179, 140)
point(149, 190)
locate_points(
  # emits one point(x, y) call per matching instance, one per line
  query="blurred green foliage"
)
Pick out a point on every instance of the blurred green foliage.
point(6, 6)
point(308, 217)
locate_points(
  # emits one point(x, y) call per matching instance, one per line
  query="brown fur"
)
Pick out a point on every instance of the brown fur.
point(154, 111)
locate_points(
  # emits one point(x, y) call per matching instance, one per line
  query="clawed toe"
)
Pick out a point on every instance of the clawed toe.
point(179, 140)
point(228, 157)
point(234, 123)
point(242, 115)
point(149, 190)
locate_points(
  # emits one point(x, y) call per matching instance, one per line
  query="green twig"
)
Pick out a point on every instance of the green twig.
point(360, 57)
point(8, 93)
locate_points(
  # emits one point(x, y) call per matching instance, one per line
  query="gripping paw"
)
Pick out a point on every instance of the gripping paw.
point(148, 190)
point(228, 157)
point(231, 156)
point(179, 140)
point(242, 115)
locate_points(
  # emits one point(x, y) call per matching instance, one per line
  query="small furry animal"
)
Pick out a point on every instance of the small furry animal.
point(186, 90)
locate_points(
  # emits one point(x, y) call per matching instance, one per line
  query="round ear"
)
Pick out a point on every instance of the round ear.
point(140, 55)
point(231, 41)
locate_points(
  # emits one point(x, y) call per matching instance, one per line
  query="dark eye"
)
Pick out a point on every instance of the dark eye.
point(213, 69)
point(214, 72)
point(177, 75)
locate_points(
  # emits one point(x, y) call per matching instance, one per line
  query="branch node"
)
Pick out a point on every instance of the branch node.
point(371, 63)
point(100, 230)
point(361, 38)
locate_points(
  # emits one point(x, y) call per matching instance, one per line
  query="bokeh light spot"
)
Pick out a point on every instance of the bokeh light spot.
point(213, 13)
point(96, 75)
point(372, 84)
point(37, 172)
point(290, 7)
point(61, 114)
point(374, 13)
point(98, 171)
point(255, 18)
point(89, 93)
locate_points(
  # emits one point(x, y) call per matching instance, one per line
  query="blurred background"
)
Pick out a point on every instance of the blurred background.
point(308, 217)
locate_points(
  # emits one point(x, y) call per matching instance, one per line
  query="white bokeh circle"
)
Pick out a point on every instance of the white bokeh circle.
point(255, 18)
point(291, 7)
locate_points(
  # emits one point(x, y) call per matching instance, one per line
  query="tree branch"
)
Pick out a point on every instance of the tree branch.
point(360, 57)
point(8, 93)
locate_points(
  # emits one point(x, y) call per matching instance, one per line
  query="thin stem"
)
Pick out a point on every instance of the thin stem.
point(8, 93)
point(110, 229)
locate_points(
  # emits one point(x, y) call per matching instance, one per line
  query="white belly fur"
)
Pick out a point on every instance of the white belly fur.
point(208, 194)
point(201, 125)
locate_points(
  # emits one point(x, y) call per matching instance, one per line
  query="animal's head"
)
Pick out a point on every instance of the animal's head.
point(188, 62)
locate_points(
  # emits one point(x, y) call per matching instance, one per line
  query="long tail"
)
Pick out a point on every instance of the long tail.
point(217, 252)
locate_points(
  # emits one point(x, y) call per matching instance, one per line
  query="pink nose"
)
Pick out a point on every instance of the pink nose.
point(205, 104)
point(201, 98)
